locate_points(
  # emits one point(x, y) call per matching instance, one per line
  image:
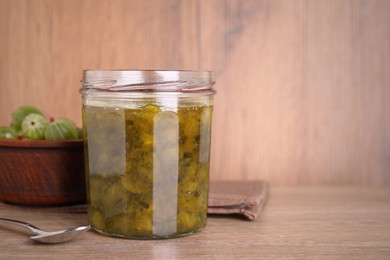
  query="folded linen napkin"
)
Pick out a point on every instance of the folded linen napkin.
point(238, 197)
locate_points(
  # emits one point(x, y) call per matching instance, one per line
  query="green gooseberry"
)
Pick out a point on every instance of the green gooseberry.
point(20, 113)
point(7, 132)
point(34, 127)
point(61, 129)
point(80, 133)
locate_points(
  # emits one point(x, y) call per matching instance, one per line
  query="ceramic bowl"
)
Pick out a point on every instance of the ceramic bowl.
point(42, 173)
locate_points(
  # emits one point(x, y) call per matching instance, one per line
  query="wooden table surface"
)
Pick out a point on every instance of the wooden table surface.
point(297, 222)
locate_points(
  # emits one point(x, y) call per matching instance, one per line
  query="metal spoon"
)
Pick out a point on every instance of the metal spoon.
point(48, 237)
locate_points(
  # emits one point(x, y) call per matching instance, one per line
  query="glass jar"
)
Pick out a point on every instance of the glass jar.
point(147, 151)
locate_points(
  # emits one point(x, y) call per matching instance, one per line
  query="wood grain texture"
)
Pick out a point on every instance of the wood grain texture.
point(297, 223)
point(303, 86)
point(42, 173)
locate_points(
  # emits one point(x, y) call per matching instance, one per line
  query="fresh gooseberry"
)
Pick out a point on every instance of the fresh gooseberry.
point(61, 129)
point(20, 113)
point(34, 127)
point(7, 132)
point(80, 133)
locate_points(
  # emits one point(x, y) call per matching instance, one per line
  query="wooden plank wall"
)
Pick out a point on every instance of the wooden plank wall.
point(303, 85)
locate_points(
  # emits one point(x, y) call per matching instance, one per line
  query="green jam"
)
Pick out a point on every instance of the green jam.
point(147, 169)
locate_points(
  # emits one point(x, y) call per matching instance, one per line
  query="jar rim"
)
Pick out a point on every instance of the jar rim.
point(123, 80)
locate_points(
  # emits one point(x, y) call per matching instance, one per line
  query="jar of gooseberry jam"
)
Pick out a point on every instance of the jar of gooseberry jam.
point(147, 151)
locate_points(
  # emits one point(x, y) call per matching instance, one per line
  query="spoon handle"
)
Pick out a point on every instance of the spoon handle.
point(32, 228)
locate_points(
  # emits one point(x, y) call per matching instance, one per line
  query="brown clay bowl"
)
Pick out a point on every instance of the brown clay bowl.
point(42, 173)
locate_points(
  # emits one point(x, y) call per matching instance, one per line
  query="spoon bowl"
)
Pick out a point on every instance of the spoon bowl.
point(48, 237)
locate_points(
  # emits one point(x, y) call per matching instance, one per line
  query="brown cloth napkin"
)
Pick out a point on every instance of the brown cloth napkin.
point(238, 197)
